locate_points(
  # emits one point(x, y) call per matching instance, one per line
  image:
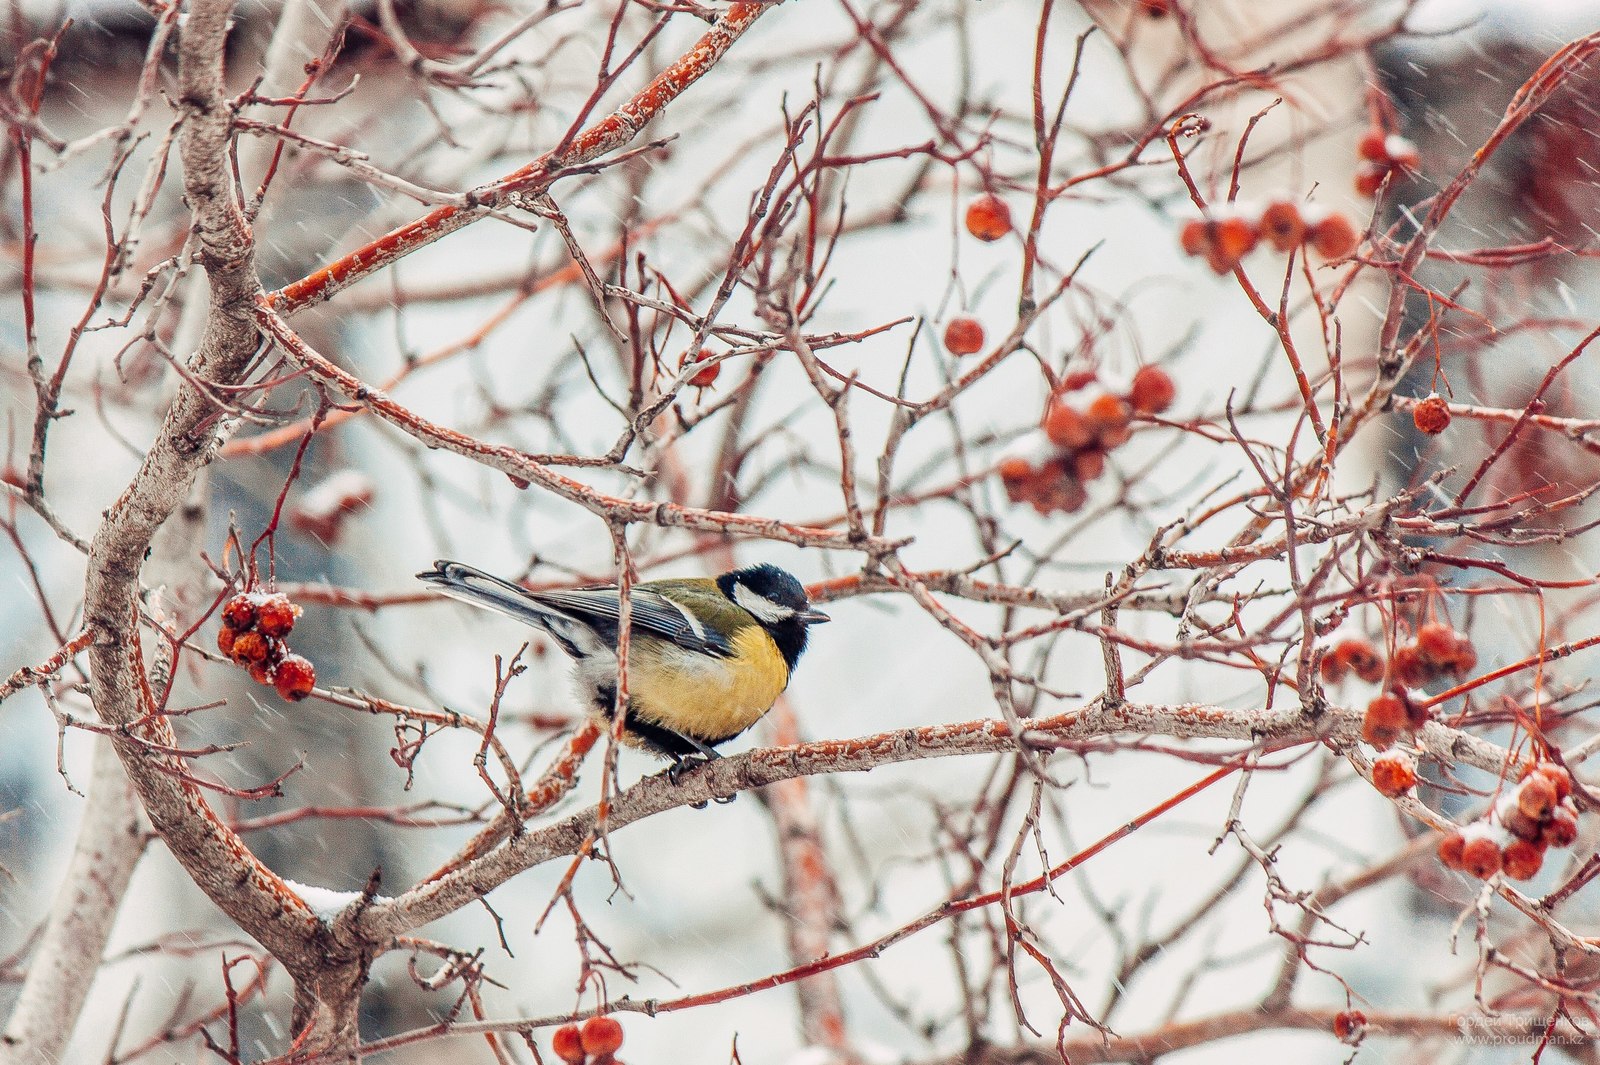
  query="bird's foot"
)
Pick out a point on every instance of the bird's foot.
point(682, 764)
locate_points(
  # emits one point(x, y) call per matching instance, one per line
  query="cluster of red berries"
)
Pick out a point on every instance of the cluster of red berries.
point(1436, 651)
point(707, 375)
point(1354, 655)
point(1384, 154)
point(595, 1043)
point(1530, 818)
point(1431, 415)
point(1076, 441)
point(254, 625)
point(1227, 235)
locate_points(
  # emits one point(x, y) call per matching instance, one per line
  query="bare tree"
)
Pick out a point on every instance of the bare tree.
point(1130, 357)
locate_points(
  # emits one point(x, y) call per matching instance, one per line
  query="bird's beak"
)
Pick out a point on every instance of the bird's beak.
point(812, 617)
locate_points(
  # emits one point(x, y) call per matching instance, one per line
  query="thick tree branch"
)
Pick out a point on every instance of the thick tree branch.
point(217, 860)
point(463, 885)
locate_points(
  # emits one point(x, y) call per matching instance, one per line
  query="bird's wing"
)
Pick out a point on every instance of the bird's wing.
point(584, 620)
point(472, 585)
point(651, 612)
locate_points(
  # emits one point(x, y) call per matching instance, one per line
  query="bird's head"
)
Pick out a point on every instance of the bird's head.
point(772, 596)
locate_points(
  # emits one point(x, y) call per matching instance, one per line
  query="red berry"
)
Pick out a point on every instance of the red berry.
point(1416, 713)
point(295, 678)
point(1522, 859)
point(963, 336)
point(1378, 731)
point(1384, 720)
point(706, 376)
point(1062, 493)
point(1557, 775)
point(1349, 1026)
point(1333, 668)
point(1282, 226)
point(1066, 427)
point(1463, 660)
point(1431, 415)
point(601, 1035)
point(1436, 643)
point(1409, 667)
point(225, 639)
point(1361, 658)
point(1373, 146)
point(1156, 8)
point(1369, 178)
point(1393, 774)
point(1480, 858)
point(262, 672)
point(988, 218)
point(1088, 464)
point(239, 612)
point(1562, 828)
point(1536, 797)
point(1024, 489)
point(251, 648)
point(1073, 495)
point(1520, 824)
point(1335, 237)
point(1450, 849)
point(1014, 468)
point(1109, 417)
point(1152, 390)
point(275, 615)
point(1195, 237)
point(567, 1045)
point(1231, 240)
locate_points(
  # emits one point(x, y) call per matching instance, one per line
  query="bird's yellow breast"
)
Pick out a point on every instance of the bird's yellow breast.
point(711, 699)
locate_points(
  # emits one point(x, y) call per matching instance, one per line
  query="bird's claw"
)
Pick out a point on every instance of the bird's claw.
point(692, 762)
point(683, 765)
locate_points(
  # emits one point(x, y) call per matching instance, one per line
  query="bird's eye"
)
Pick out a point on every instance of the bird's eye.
point(759, 605)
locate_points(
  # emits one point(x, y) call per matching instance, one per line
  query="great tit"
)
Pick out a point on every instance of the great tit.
point(706, 657)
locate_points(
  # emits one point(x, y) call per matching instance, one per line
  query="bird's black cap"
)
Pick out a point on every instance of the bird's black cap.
point(777, 586)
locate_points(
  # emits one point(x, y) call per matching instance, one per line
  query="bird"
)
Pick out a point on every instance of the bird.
point(707, 656)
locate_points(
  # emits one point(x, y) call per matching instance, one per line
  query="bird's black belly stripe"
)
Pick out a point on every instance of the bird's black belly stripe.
point(657, 739)
point(660, 740)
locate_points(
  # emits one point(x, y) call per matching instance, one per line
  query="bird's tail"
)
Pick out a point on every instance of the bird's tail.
point(471, 585)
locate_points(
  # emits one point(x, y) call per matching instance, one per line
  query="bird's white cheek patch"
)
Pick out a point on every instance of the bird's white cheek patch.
point(760, 605)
